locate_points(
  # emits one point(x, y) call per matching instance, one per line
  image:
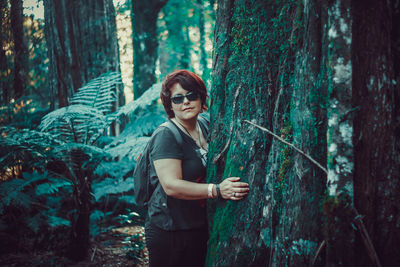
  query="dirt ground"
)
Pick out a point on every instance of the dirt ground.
point(110, 249)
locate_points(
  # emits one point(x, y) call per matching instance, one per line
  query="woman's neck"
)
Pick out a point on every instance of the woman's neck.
point(190, 125)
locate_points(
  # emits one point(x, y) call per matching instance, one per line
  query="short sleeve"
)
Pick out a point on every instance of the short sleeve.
point(165, 146)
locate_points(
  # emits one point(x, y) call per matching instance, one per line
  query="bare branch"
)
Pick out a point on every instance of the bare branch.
point(289, 144)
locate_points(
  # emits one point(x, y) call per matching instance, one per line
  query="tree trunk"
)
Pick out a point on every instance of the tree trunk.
point(82, 42)
point(202, 42)
point(20, 49)
point(3, 59)
point(376, 79)
point(175, 47)
point(301, 70)
point(145, 43)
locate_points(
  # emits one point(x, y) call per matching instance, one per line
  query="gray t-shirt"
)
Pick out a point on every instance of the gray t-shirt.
point(170, 213)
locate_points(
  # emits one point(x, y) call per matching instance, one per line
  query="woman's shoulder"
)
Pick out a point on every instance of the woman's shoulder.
point(167, 132)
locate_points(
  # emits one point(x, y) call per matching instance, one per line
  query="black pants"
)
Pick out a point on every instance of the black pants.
point(176, 248)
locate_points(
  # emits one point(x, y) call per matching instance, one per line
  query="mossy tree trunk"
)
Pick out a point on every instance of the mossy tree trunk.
point(293, 67)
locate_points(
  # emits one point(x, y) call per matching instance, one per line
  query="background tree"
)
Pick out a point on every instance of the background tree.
point(4, 32)
point(145, 43)
point(183, 39)
point(21, 66)
point(175, 44)
point(302, 71)
point(82, 44)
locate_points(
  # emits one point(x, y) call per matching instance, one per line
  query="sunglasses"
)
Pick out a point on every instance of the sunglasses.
point(191, 96)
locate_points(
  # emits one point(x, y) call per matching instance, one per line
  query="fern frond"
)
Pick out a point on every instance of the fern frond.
point(75, 123)
point(115, 169)
point(99, 93)
point(147, 99)
point(55, 221)
point(12, 191)
point(129, 147)
point(112, 186)
point(52, 186)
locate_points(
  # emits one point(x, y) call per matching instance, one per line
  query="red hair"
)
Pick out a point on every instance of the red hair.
point(189, 81)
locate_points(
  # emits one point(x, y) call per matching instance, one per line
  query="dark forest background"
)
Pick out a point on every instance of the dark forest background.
point(80, 98)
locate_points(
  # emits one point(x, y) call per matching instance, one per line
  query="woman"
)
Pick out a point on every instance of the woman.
point(176, 226)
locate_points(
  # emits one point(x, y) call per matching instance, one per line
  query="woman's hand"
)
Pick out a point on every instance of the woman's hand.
point(232, 188)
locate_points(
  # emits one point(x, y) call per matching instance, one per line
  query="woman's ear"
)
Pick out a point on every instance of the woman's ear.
point(204, 108)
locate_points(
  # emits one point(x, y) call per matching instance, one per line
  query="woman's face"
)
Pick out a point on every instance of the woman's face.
point(186, 110)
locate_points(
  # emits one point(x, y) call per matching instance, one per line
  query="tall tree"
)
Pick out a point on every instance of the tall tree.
point(203, 55)
point(20, 49)
point(82, 42)
point(175, 46)
point(145, 43)
point(307, 72)
point(3, 59)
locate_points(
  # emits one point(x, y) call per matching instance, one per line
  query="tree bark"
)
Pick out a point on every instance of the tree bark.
point(82, 42)
point(20, 49)
point(307, 71)
point(376, 126)
point(202, 43)
point(145, 43)
point(3, 59)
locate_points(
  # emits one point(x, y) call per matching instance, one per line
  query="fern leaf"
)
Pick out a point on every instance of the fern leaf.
point(147, 99)
point(75, 123)
point(115, 169)
point(12, 190)
point(55, 221)
point(129, 147)
point(112, 186)
point(99, 93)
point(96, 215)
point(52, 186)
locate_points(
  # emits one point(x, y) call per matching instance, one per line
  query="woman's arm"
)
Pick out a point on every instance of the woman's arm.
point(169, 172)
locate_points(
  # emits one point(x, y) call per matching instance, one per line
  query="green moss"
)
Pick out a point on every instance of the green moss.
point(286, 134)
point(223, 225)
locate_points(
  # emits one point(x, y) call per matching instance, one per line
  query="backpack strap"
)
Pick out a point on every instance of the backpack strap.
point(174, 129)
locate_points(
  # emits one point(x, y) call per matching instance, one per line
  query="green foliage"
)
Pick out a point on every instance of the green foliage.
point(100, 93)
point(137, 245)
point(112, 186)
point(43, 170)
point(181, 45)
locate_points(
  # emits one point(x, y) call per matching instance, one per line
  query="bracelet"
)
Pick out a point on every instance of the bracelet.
point(218, 191)
point(210, 187)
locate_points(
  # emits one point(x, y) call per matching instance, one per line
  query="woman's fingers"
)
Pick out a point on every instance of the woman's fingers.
point(240, 184)
point(233, 179)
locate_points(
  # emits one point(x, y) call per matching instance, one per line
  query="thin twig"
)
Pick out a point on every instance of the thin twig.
point(289, 144)
point(358, 219)
point(367, 239)
point(323, 244)
point(217, 157)
point(94, 252)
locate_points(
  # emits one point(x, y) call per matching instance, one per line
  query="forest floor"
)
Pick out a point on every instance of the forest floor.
point(110, 249)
